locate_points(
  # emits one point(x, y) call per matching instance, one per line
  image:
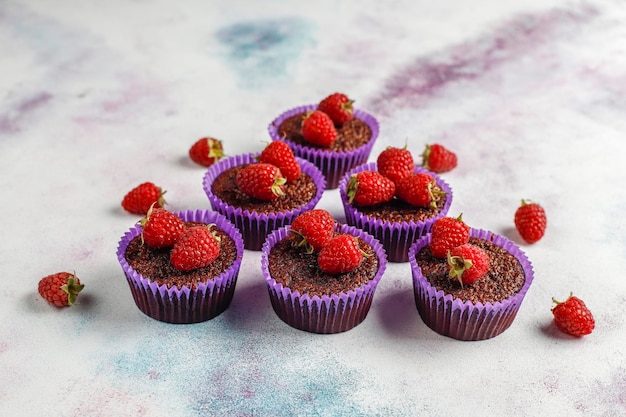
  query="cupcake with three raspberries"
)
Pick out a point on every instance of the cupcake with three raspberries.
point(331, 134)
point(181, 267)
point(321, 275)
point(264, 191)
point(468, 283)
point(394, 200)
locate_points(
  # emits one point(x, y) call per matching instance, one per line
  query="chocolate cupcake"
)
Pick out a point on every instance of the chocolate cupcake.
point(351, 148)
point(253, 217)
point(308, 299)
point(167, 294)
point(478, 311)
point(395, 224)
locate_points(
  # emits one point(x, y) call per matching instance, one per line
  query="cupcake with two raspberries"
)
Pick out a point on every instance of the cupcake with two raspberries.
point(468, 283)
point(261, 192)
point(331, 134)
point(394, 200)
point(181, 267)
point(321, 275)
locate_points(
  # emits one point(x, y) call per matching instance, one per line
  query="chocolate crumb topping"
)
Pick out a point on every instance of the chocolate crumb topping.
point(294, 268)
point(154, 263)
point(350, 135)
point(297, 193)
point(504, 279)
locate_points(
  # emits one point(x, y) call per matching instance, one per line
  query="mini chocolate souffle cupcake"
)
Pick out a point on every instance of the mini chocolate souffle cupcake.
point(308, 299)
point(170, 295)
point(478, 311)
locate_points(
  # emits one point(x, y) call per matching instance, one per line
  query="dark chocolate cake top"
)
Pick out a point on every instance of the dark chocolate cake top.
point(154, 263)
point(292, 267)
point(350, 135)
point(504, 279)
point(297, 193)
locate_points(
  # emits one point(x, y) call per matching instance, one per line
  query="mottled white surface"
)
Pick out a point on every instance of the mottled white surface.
point(96, 97)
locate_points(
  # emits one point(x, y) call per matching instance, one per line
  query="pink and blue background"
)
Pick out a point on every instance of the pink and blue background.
point(96, 97)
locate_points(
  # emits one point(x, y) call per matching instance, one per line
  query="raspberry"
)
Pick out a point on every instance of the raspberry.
point(573, 317)
point(262, 181)
point(196, 248)
point(468, 263)
point(419, 190)
point(338, 107)
point(341, 254)
point(60, 289)
point(446, 234)
point(161, 228)
point(279, 154)
point(395, 163)
point(141, 198)
point(368, 188)
point(313, 229)
point(530, 221)
point(319, 129)
point(206, 151)
point(437, 158)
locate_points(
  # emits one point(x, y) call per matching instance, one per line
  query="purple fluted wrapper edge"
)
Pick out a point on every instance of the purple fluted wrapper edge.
point(256, 226)
point(184, 305)
point(333, 164)
point(465, 320)
point(326, 314)
point(396, 237)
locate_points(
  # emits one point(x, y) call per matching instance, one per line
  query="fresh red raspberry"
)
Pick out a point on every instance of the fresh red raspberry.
point(161, 228)
point(196, 248)
point(437, 158)
point(530, 221)
point(395, 163)
point(60, 289)
point(313, 229)
point(280, 154)
point(368, 188)
point(341, 254)
point(319, 129)
point(141, 198)
point(419, 190)
point(338, 107)
point(206, 151)
point(446, 234)
point(468, 263)
point(573, 317)
point(262, 181)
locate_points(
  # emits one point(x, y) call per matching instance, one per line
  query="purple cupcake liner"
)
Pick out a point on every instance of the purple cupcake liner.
point(333, 164)
point(184, 305)
point(329, 313)
point(465, 320)
point(256, 226)
point(396, 237)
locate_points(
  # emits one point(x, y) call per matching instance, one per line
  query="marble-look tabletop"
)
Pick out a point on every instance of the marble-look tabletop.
point(97, 97)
